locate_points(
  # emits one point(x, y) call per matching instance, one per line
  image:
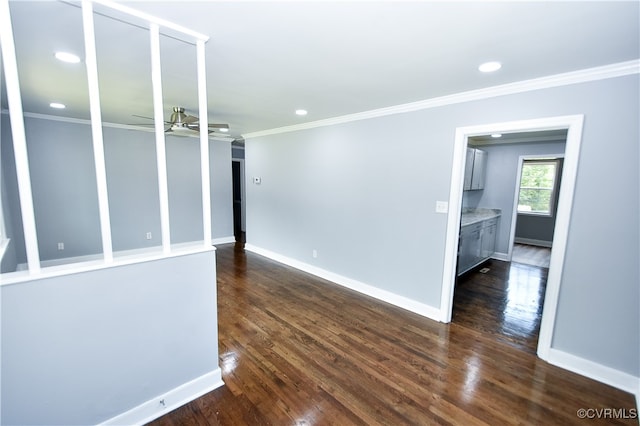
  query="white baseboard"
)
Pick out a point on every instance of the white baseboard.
point(223, 240)
point(383, 295)
point(162, 404)
point(533, 242)
point(612, 377)
point(501, 256)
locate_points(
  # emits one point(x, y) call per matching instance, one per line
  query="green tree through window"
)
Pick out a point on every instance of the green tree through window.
point(537, 186)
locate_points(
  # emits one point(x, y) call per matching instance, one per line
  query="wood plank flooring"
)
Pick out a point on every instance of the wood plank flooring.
point(298, 350)
point(531, 255)
point(505, 302)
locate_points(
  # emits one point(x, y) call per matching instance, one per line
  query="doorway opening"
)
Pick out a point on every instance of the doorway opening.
point(573, 126)
point(237, 169)
point(535, 207)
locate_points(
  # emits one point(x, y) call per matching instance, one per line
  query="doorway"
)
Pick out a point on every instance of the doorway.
point(237, 169)
point(573, 125)
point(535, 206)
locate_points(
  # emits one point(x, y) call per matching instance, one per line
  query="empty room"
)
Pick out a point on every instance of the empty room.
point(319, 212)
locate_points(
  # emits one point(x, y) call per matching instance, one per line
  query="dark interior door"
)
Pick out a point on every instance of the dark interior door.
point(237, 200)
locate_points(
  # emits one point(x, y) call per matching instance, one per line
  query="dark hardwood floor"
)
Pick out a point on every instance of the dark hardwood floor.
point(504, 302)
point(298, 350)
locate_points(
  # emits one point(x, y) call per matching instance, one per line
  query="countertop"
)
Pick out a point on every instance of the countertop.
point(471, 216)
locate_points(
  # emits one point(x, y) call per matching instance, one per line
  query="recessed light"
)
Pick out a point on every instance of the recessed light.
point(490, 66)
point(57, 105)
point(224, 130)
point(301, 112)
point(67, 57)
point(496, 135)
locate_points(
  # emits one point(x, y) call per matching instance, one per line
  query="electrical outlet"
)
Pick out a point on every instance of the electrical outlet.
point(442, 207)
point(314, 253)
point(148, 235)
point(60, 246)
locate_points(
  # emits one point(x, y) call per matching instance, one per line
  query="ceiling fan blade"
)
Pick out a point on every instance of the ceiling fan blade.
point(142, 116)
point(190, 119)
point(147, 118)
point(219, 126)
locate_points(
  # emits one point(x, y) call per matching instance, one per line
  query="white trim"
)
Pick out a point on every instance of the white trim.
point(533, 242)
point(593, 370)
point(369, 290)
point(574, 136)
point(516, 197)
point(19, 137)
point(96, 129)
point(561, 233)
point(169, 401)
point(582, 76)
point(204, 141)
point(223, 240)
point(111, 125)
point(90, 262)
point(146, 18)
point(500, 256)
point(161, 151)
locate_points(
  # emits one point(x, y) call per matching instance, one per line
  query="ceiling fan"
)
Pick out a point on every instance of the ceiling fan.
point(181, 124)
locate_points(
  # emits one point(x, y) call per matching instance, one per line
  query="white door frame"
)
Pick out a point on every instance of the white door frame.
point(572, 123)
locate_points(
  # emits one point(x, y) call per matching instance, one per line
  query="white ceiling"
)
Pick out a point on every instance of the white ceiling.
point(266, 59)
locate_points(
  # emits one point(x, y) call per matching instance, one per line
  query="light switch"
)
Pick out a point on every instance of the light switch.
point(442, 207)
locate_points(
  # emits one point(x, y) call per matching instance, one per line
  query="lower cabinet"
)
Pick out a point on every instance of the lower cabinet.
point(477, 243)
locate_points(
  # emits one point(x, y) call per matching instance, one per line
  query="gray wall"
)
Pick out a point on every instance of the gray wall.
point(83, 348)
point(65, 195)
point(500, 182)
point(348, 191)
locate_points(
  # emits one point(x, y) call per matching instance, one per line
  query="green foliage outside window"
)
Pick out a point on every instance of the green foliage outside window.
point(536, 187)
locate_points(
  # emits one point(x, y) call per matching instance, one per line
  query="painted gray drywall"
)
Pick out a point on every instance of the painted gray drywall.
point(63, 183)
point(132, 185)
point(237, 152)
point(348, 191)
point(9, 262)
point(13, 215)
point(221, 179)
point(500, 182)
point(65, 193)
point(83, 348)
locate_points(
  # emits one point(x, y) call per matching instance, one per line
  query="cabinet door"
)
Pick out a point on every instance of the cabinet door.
point(489, 239)
point(479, 169)
point(468, 169)
point(469, 247)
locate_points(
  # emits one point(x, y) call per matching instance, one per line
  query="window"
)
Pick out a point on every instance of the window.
point(537, 186)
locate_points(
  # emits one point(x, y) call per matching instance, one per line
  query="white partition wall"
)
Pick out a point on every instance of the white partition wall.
point(97, 88)
point(123, 335)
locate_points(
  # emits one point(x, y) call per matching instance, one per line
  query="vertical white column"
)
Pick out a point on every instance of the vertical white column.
point(161, 152)
point(19, 137)
point(91, 62)
point(204, 142)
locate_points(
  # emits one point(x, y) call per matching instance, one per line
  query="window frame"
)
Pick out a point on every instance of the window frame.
point(550, 161)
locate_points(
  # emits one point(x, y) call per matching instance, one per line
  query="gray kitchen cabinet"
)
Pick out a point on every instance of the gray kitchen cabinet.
point(477, 244)
point(475, 169)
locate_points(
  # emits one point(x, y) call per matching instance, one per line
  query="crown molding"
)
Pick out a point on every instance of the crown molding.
point(110, 125)
point(574, 77)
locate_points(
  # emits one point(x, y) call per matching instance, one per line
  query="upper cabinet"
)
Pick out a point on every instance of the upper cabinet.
point(475, 169)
